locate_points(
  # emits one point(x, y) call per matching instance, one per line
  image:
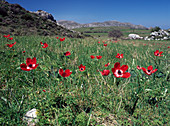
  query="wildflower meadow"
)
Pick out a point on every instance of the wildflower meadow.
point(84, 82)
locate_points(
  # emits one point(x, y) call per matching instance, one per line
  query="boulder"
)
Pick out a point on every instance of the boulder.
point(134, 36)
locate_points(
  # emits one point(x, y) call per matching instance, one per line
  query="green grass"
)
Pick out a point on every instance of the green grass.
point(125, 30)
point(83, 98)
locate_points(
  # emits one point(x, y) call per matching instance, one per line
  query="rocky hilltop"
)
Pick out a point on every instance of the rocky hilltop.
point(15, 20)
point(73, 25)
point(44, 15)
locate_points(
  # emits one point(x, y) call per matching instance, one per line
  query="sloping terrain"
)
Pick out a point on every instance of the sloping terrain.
point(15, 20)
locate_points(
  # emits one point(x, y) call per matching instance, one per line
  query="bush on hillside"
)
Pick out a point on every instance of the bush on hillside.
point(27, 16)
point(3, 11)
point(115, 34)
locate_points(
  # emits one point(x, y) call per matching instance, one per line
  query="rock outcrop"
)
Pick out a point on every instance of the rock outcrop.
point(45, 15)
point(158, 35)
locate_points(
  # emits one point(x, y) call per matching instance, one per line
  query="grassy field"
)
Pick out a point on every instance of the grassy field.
point(103, 31)
point(85, 97)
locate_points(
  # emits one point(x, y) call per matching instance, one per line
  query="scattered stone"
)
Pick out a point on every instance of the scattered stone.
point(31, 117)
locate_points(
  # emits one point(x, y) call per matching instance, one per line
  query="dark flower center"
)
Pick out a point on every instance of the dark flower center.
point(81, 68)
point(30, 65)
point(149, 70)
point(119, 72)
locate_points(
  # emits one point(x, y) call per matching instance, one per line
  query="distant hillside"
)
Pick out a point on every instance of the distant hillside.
point(103, 31)
point(15, 20)
point(73, 25)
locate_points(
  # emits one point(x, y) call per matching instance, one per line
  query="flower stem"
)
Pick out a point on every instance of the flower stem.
point(46, 50)
point(117, 81)
point(33, 79)
point(134, 106)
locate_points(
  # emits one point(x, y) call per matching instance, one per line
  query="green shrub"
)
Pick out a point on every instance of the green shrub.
point(27, 16)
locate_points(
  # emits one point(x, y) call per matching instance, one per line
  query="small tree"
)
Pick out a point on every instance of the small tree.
point(115, 34)
point(155, 29)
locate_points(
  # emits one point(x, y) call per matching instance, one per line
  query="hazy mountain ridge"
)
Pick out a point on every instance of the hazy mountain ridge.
point(73, 24)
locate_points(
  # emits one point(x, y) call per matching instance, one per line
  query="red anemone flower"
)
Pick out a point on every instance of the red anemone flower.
point(119, 56)
point(157, 53)
point(149, 71)
point(98, 42)
point(62, 39)
point(30, 64)
point(10, 38)
point(10, 45)
point(92, 57)
point(106, 65)
point(67, 53)
point(23, 51)
point(105, 44)
point(82, 68)
point(66, 73)
point(57, 37)
point(168, 46)
point(99, 57)
point(105, 72)
point(120, 71)
point(45, 45)
point(6, 36)
point(139, 68)
point(44, 90)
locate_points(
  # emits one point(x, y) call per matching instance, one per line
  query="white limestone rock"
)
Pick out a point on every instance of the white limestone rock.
point(31, 117)
point(45, 15)
point(134, 36)
point(158, 35)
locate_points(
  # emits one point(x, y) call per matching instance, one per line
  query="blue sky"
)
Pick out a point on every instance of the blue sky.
point(149, 13)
